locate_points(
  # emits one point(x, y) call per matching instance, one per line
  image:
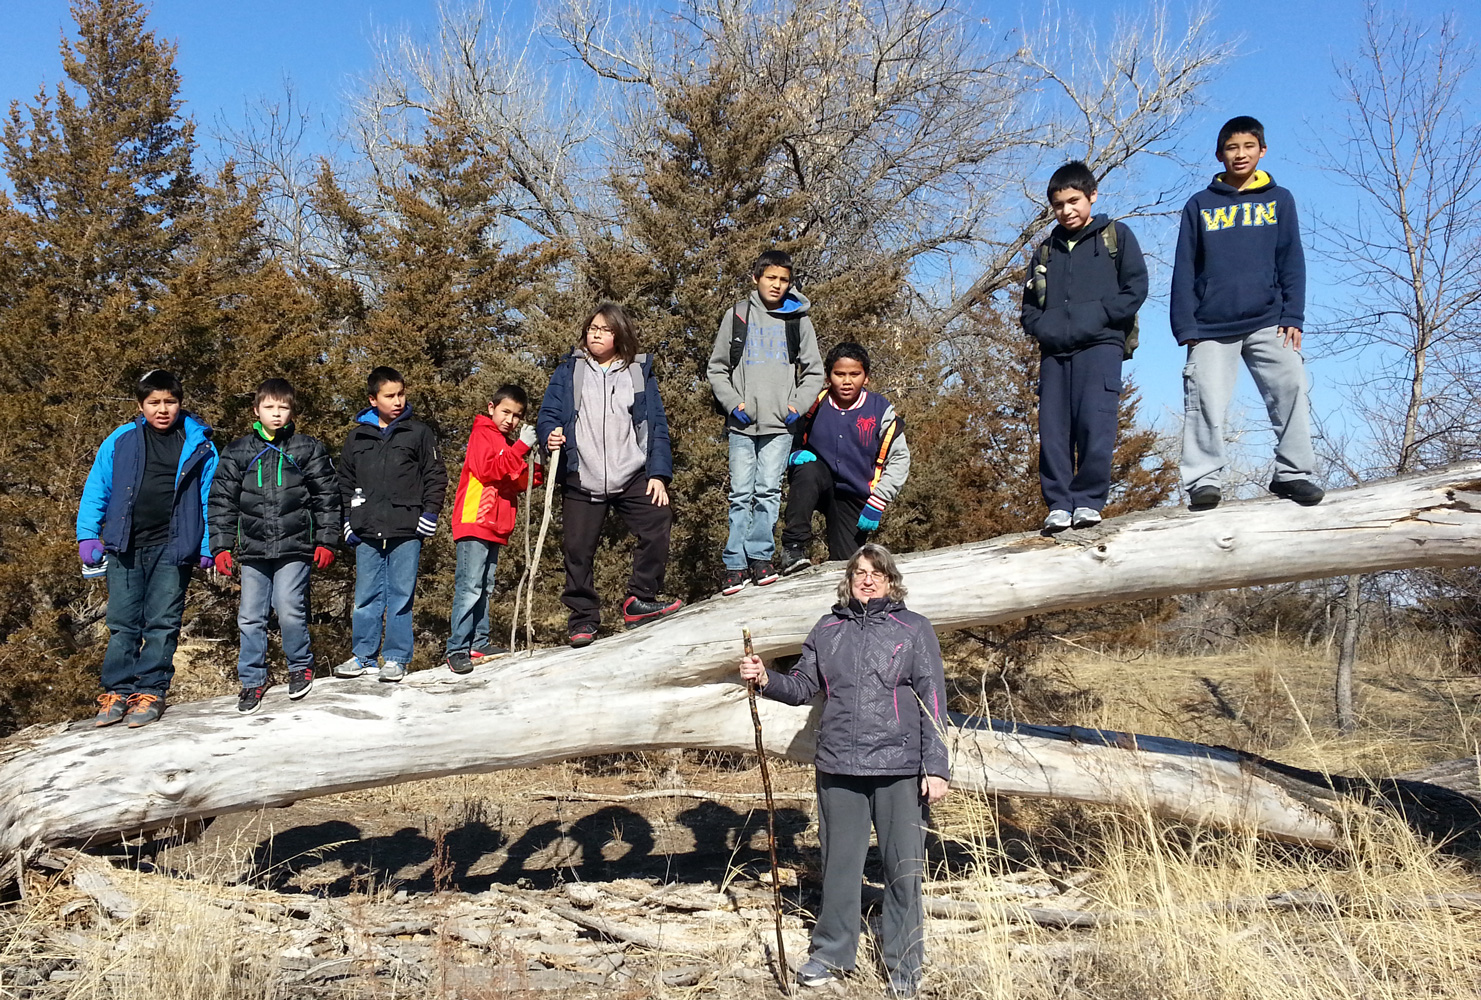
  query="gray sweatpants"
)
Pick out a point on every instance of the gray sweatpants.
point(1208, 386)
point(846, 806)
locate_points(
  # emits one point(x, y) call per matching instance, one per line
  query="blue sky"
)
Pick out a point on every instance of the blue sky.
point(231, 53)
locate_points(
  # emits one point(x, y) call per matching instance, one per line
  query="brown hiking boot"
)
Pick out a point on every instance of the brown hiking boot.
point(144, 709)
point(110, 708)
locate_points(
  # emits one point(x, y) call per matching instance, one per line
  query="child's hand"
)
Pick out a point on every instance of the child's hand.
point(427, 525)
point(1290, 336)
point(555, 440)
point(223, 563)
point(528, 437)
point(801, 458)
point(351, 539)
point(792, 416)
point(206, 562)
point(752, 669)
point(739, 413)
point(90, 551)
point(933, 789)
point(870, 515)
point(658, 493)
point(323, 558)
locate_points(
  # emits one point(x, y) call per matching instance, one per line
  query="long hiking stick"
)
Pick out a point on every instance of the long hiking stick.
point(555, 458)
point(776, 878)
point(519, 588)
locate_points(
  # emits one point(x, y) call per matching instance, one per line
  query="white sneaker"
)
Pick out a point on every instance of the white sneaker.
point(352, 667)
point(1058, 520)
point(392, 671)
point(1084, 517)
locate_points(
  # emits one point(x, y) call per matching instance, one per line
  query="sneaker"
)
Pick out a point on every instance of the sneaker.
point(392, 671)
point(250, 699)
point(300, 682)
point(636, 611)
point(1204, 498)
point(794, 560)
point(486, 651)
point(1303, 491)
point(1058, 520)
point(814, 973)
point(733, 582)
point(144, 709)
point(1084, 517)
point(763, 572)
point(580, 636)
point(353, 667)
point(111, 707)
point(460, 662)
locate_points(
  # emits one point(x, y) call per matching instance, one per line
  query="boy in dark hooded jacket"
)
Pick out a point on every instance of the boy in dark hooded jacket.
point(274, 510)
point(1086, 283)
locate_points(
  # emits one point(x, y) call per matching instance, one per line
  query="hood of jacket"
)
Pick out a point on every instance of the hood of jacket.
point(1260, 182)
point(794, 305)
point(1062, 236)
point(877, 610)
point(371, 418)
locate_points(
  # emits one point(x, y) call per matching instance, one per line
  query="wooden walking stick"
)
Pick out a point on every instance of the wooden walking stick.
point(776, 878)
point(555, 458)
point(519, 588)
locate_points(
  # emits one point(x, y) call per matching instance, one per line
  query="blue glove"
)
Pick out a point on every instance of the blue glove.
point(427, 525)
point(351, 539)
point(801, 458)
point(870, 515)
point(740, 416)
point(792, 417)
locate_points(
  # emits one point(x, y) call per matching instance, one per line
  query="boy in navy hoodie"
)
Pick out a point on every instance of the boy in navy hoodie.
point(391, 485)
point(1086, 283)
point(143, 513)
point(1239, 291)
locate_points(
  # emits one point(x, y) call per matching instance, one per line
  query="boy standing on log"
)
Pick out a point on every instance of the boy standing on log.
point(497, 465)
point(765, 369)
point(849, 460)
point(1239, 291)
point(1085, 285)
point(391, 486)
point(142, 522)
point(274, 512)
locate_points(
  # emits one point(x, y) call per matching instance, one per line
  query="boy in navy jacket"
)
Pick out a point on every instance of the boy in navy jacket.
point(143, 514)
point(1239, 291)
point(1085, 285)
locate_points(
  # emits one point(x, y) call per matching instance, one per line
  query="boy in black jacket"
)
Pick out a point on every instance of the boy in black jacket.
point(391, 484)
point(274, 508)
point(1086, 283)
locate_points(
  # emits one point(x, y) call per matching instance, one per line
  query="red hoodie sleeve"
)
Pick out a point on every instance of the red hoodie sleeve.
point(491, 459)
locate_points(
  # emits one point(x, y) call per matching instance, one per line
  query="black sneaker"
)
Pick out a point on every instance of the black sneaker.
point(111, 707)
point(733, 582)
point(636, 611)
point(486, 651)
point(250, 699)
point(1302, 491)
point(794, 560)
point(460, 662)
point(1204, 498)
point(300, 682)
point(144, 708)
point(580, 636)
point(763, 572)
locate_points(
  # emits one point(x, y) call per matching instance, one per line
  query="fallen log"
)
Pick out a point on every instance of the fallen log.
point(673, 684)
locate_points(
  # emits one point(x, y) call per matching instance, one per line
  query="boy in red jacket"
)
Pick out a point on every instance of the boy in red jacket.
point(495, 469)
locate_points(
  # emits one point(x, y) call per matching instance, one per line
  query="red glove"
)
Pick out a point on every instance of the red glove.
point(323, 557)
point(223, 563)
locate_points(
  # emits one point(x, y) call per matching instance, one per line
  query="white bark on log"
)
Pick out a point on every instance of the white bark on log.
point(673, 684)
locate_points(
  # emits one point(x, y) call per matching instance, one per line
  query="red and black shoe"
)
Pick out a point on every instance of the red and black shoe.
point(636, 611)
point(580, 636)
point(250, 700)
point(486, 651)
point(300, 682)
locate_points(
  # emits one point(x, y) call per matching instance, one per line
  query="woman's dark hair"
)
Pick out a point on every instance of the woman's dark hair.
point(847, 349)
point(624, 336)
point(158, 380)
point(279, 389)
point(881, 559)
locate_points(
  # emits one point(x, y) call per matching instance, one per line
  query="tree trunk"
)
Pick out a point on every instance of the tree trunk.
point(1352, 605)
point(674, 684)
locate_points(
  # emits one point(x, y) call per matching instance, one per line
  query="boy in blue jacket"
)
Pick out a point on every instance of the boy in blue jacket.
point(143, 513)
point(1085, 286)
point(1239, 291)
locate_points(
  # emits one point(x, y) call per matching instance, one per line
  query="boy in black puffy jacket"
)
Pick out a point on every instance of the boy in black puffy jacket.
point(273, 509)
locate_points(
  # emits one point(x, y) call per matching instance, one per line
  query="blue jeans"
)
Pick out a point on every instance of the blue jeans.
point(473, 585)
point(146, 599)
point(756, 467)
point(385, 585)
point(281, 584)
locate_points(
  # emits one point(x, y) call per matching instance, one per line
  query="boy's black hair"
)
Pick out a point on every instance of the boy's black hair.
point(847, 349)
point(379, 376)
point(1074, 174)
point(512, 392)
point(1241, 123)
point(276, 388)
point(158, 380)
point(771, 258)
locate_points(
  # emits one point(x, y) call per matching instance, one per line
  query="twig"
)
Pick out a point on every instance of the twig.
point(776, 878)
point(668, 793)
point(555, 458)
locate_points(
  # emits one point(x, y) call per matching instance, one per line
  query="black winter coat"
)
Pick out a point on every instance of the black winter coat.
point(273, 499)
point(1092, 298)
point(390, 476)
point(884, 706)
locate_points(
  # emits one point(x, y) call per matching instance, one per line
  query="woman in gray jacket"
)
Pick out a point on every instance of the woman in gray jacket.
point(880, 754)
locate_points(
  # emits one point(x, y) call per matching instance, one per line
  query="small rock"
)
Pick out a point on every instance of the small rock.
point(583, 895)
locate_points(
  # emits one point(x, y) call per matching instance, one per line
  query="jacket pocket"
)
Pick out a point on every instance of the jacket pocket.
point(1235, 295)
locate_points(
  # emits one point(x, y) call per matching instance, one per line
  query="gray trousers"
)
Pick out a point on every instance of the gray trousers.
point(1208, 386)
point(846, 806)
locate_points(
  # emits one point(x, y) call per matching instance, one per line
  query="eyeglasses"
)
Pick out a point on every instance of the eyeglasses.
point(598, 329)
point(871, 574)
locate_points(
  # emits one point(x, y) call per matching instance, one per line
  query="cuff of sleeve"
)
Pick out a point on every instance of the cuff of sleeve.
point(875, 503)
point(520, 448)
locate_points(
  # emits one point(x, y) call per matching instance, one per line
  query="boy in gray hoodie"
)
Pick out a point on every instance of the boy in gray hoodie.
point(765, 370)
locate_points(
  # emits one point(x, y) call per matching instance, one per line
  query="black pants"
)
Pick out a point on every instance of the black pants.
point(812, 488)
point(582, 517)
point(1078, 397)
